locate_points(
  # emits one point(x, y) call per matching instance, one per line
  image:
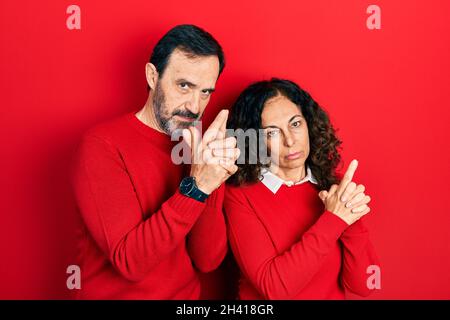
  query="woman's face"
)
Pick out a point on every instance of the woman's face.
point(286, 133)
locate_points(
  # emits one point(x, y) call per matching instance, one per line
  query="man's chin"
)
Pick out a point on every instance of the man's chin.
point(180, 125)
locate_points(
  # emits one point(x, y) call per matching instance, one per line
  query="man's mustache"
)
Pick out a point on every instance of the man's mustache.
point(186, 114)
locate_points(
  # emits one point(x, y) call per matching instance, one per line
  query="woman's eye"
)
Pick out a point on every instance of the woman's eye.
point(296, 124)
point(272, 133)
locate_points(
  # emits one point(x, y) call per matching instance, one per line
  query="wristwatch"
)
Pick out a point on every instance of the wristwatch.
point(189, 188)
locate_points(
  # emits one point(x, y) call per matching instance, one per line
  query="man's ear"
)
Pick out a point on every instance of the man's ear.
point(151, 74)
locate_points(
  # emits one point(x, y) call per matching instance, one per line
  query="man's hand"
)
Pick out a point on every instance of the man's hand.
point(213, 156)
point(347, 200)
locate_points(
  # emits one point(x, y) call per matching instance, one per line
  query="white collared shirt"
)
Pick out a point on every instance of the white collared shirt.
point(273, 182)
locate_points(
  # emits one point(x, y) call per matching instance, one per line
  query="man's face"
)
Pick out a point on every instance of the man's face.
point(184, 90)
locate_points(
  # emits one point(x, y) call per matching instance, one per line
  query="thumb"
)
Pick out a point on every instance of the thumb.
point(187, 137)
point(194, 144)
point(192, 137)
point(323, 195)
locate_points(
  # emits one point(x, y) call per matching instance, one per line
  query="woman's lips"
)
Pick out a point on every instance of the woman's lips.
point(294, 155)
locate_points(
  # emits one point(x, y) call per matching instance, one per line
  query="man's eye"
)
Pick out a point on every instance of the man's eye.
point(206, 92)
point(184, 85)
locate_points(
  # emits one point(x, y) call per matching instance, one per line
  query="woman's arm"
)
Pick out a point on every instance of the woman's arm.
point(274, 275)
point(358, 255)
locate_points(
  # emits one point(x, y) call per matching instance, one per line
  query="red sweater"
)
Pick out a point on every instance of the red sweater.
point(141, 238)
point(288, 247)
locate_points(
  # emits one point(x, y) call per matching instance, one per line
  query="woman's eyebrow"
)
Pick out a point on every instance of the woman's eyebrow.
point(292, 118)
point(297, 115)
point(271, 126)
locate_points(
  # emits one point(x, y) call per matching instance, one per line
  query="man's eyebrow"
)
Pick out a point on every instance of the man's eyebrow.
point(190, 84)
point(193, 85)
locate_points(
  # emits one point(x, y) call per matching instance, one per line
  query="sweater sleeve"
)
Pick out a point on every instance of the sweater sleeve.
point(358, 255)
point(207, 241)
point(277, 275)
point(109, 207)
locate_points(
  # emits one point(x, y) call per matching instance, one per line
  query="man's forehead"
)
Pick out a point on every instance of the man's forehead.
point(196, 69)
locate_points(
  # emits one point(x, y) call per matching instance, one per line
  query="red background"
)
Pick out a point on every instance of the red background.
point(386, 90)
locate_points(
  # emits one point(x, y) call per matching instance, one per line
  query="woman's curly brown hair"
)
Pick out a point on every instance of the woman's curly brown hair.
point(246, 114)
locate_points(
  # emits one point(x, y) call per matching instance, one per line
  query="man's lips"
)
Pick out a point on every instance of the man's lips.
point(186, 119)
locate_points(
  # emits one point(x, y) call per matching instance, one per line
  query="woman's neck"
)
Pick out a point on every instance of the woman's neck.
point(287, 174)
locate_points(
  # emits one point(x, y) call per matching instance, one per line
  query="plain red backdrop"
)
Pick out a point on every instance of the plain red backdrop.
point(387, 92)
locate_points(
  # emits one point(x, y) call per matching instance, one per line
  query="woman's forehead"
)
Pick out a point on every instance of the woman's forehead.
point(279, 109)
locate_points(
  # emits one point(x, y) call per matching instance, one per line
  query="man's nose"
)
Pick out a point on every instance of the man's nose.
point(193, 104)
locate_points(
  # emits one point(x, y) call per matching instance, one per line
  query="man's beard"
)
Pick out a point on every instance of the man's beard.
point(165, 120)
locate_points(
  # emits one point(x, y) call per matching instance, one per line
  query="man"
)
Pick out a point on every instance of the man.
point(149, 227)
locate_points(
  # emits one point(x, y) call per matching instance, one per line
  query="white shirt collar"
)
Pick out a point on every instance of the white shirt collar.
point(273, 182)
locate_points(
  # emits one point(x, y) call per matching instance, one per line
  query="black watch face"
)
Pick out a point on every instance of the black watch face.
point(187, 184)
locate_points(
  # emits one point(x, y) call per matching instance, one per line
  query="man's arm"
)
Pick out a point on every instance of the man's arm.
point(207, 242)
point(111, 212)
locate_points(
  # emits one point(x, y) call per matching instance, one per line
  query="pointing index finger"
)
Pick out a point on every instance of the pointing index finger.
point(348, 176)
point(217, 126)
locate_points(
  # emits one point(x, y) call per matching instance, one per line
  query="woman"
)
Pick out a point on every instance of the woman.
point(290, 240)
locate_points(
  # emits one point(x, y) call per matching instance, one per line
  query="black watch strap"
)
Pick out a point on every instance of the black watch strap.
point(188, 187)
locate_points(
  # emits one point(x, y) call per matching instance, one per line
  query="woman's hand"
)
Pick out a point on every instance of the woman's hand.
point(347, 200)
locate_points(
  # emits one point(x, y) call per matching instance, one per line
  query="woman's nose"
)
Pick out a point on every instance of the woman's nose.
point(288, 139)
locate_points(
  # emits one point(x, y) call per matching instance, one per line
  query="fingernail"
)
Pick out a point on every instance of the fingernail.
point(348, 205)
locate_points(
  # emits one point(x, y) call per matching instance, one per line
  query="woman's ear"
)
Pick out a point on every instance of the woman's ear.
point(151, 74)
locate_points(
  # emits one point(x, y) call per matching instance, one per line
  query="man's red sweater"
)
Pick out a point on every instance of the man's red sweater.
point(140, 238)
point(288, 247)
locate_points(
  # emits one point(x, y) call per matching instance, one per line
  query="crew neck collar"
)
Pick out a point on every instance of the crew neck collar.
point(158, 137)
